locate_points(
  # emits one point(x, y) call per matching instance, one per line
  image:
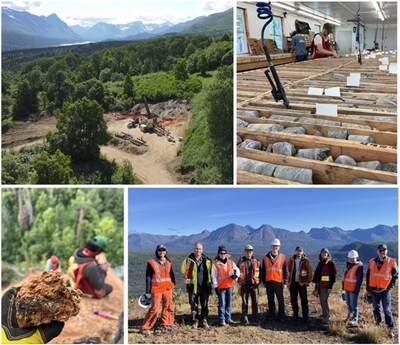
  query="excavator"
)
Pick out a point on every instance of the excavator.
point(148, 125)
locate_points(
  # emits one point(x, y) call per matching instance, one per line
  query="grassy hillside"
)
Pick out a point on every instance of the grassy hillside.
point(215, 24)
point(270, 332)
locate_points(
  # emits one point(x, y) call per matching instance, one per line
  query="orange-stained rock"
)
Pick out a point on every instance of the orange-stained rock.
point(46, 299)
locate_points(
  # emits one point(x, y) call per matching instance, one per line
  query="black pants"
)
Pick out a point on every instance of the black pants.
point(202, 294)
point(245, 292)
point(275, 288)
point(301, 57)
point(297, 289)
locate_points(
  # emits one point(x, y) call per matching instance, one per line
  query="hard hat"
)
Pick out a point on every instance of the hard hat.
point(275, 242)
point(53, 259)
point(144, 300)
point(101, 242)
point(248, 247)
point(352, 254)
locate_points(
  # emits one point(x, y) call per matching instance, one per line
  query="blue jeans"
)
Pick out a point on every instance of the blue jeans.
point(352, 304)
point(385, 297)
point(224, 305)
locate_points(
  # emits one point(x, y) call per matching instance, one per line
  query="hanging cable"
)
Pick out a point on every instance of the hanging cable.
point(264, 12)
point(358, 33)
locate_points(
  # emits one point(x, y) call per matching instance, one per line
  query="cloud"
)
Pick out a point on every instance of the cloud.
point(212, 6)
point(21, 5)
point(88, 21)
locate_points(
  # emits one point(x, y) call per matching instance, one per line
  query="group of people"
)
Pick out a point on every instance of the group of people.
point(85, 272)
point(203, 275)
point(321, 45)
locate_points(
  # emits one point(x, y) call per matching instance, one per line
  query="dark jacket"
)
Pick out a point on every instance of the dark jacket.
point(331, 270)
point(149, 274)
point(93, 272)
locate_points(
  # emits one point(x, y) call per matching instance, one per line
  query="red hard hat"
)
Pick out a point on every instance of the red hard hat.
point(54, 259)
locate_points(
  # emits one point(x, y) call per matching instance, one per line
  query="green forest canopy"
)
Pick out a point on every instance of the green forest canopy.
point(38, 223)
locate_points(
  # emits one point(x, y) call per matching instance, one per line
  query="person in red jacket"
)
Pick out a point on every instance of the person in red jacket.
point(248, 280)
point(300, 276)
point(320, 45)
point(160, 281)
point(324, 278)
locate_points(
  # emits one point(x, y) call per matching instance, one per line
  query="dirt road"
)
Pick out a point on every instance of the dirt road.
point(152, 167)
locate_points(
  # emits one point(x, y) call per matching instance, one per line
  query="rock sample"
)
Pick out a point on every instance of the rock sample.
point(317, 154)
point(390, 167)
point(249, 113)
point(300, 175)
point(46, 299)
point(366, 181)
point(251, 144)
point(295, 130)
point(346, 160)
point(374, 165)
point(338, 134)
point(241, 123)
point(238, 140)
point(255, 167)
point(284, 118)
point(284, 148)
point(361, 138)
point(266, 127)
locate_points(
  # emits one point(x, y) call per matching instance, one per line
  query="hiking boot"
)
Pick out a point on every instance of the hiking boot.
point(245, 320)
point(166, 329)
point(282, 318)
point(204, 324)
point(352, 322)
point(195, 324)
point(231, 322)
point(222, 324)
point(391, 333)
point(305, 319)
point(144, 332)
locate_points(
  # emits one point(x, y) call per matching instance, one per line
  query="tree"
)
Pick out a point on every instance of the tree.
point(128, 86)
point(23, 104)
point(190, 49)
point(180, 70)
point(81, 130)
point(52, 169)
point(124, 174)
point(202, 65)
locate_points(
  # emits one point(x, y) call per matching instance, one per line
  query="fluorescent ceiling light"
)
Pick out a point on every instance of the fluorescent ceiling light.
point(286, 7)
point(311, 15)
point(378, 9)
point(333, 22)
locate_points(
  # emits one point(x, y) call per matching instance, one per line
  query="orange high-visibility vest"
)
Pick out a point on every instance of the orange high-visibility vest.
point(350, 278)
point(381, 278)
point(274, 271)
point(223, 276)
point(255, 277)
point(161, 280)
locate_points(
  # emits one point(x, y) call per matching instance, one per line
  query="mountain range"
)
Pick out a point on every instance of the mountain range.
point(234, 237)
point(23, 30)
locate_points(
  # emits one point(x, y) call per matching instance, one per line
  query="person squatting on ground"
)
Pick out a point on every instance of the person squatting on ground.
point(300, 275)
point(351, 284)
point(275, 275)
point(53, 264)
point(324, 278)
point(196, 269)
point(249, 280)
point(160, 281)
point(85, 273)
point(224, 272)
point(382, 275)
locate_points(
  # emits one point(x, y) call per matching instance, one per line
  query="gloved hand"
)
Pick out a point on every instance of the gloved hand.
point(32, 335)
point(344, 296)
point(234, 276)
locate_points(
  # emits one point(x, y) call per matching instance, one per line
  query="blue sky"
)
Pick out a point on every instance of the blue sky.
point(184, 211)
point(90, 12)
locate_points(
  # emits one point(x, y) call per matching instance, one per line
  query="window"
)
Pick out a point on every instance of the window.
point(276, 31)
point(317, 28)
point(241, 40)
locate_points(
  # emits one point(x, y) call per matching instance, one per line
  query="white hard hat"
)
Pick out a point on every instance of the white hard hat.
point(352, 254)
point(275, 242)
point(145, 300)
point(248, 247)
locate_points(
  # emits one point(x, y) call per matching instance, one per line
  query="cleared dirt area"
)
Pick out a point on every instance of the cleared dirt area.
point(154, 163)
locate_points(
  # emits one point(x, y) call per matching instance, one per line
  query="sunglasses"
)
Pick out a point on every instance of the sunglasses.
point(161, 250)
point(382, 250)
point(223, 253)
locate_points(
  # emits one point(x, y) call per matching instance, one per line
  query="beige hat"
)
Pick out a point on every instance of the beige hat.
point(248, 247)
